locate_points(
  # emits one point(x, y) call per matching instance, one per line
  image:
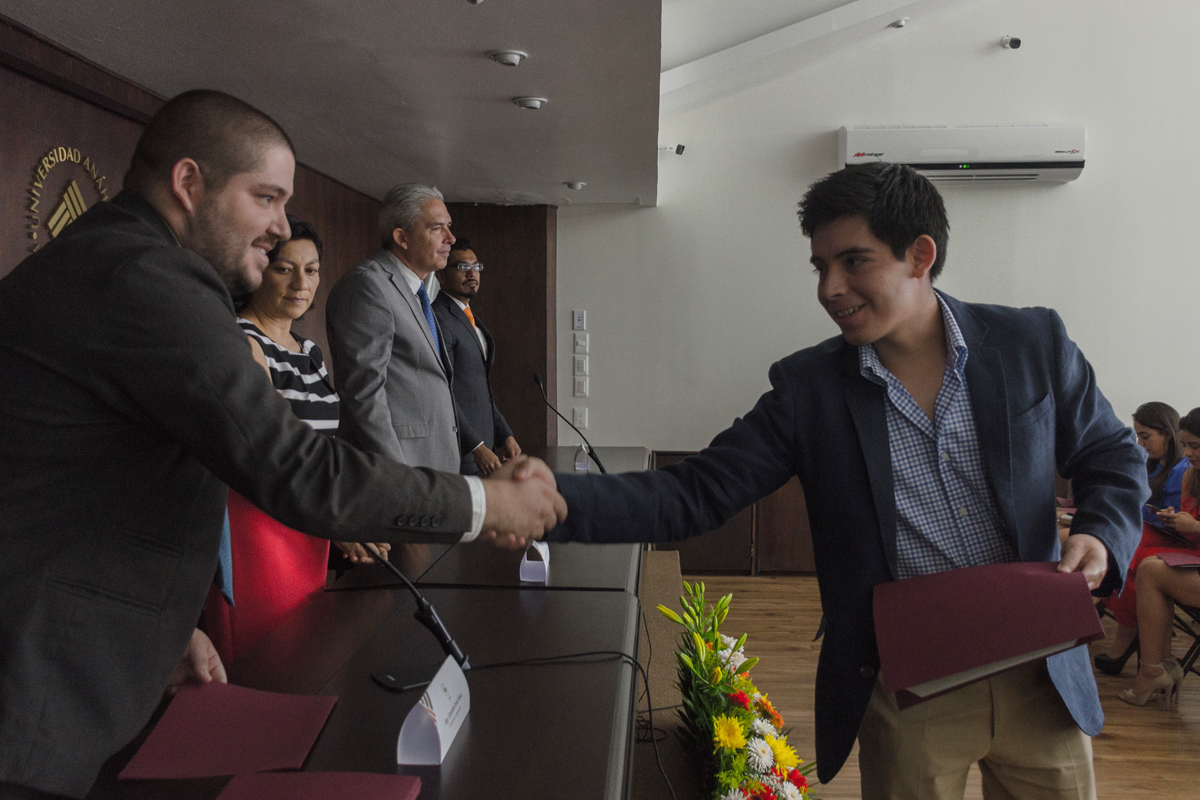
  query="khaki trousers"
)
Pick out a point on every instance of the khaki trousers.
point(1014, 725)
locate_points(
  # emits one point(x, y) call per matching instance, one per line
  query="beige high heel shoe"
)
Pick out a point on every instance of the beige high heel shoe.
point(1174, 669)
point(1163, 683)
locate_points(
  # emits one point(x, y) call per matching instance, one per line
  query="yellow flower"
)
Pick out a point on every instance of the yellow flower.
point(768, 711)
point(785, 755)
point(727, 733)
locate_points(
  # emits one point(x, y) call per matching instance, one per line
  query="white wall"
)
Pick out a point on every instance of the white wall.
point(689, 303)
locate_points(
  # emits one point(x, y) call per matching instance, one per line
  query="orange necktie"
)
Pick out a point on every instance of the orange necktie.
point(470, 316)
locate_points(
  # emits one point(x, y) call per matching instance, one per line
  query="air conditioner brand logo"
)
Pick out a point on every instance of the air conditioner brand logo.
point(1067, 152)
point(864, 155)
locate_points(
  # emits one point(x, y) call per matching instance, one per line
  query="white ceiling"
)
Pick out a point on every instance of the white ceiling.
point(377, 92)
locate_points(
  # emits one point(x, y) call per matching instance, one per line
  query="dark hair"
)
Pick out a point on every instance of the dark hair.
point(1162, 418)
point(898, 203)
point(301, 230)
point(221, 133)
point(1191, 478)
point(461, 243)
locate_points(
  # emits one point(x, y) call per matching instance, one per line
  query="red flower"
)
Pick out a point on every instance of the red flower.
point(740, 698)
point(763, 794)
point(798, 780)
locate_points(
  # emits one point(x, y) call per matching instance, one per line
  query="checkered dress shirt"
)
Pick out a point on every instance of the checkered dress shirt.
point(946, 514)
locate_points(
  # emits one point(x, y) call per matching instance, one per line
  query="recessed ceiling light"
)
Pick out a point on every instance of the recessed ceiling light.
point(900, 23)
point(575, 185)
point(509, 58)
point(531, 103)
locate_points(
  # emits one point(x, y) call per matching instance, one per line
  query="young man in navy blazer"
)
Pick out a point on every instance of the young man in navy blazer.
point(926, 437)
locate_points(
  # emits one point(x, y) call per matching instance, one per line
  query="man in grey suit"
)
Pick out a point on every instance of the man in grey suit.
point(471, 351)
point(391, 370)
point(130, 401)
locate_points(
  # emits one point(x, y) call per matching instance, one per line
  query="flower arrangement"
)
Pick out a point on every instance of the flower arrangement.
point(731, 728)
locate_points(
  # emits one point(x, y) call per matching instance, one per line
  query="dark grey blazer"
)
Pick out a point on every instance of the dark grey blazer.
point(1037, 408)
point(480, 419)
point(129, 401)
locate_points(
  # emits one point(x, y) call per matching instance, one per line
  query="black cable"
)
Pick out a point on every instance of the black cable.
point(587, 446)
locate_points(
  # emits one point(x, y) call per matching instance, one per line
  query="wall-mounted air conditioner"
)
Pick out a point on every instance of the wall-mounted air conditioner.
point(1034, 153)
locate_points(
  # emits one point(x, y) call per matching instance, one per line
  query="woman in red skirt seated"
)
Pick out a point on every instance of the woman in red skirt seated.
point(275, 567)
point(1160, 586)
point(1157, 428)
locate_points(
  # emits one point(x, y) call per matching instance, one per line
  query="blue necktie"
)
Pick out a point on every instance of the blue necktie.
point(224, 579)
point(421, 293)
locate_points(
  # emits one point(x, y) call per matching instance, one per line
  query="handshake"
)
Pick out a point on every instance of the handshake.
point(523, 503)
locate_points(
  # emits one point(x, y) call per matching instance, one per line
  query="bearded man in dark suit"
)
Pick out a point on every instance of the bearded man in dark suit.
point(130, 401)
point(471, 350)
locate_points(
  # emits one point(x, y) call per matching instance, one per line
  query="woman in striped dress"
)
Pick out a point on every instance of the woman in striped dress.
point(275, 567)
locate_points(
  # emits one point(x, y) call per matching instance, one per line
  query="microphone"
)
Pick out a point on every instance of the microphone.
point(587, 446)
point(427, 616)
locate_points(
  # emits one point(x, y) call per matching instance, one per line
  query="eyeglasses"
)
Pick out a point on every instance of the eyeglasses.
point(463, 266)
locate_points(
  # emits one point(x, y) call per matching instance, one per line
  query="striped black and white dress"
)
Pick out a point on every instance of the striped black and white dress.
point(300, 378)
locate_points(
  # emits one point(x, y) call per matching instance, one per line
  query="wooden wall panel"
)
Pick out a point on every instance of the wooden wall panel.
point(36, 119)
point(783, 540)
point(348, 223)
point(729, 548)
point(517, 301)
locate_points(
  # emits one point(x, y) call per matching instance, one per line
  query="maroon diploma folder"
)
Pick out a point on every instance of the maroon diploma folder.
point(321, 786)
point(942, 631)
point(1181, 559)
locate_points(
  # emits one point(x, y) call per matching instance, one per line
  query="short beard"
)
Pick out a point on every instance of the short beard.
point(213, 241)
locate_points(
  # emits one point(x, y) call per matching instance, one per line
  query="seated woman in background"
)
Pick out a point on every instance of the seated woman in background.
point(275, 567)
point(1160, 586)
point(1157, 428)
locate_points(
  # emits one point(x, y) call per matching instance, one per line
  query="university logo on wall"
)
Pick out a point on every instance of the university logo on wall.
point(64, 184)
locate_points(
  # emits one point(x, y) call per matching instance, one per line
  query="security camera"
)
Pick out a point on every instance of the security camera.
point(1010, 42)
point(677, 149)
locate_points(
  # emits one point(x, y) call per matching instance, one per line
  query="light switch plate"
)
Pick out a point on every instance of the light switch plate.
point(581, 365)
point(579, 319)
point(581, 387)
point(579, 417)
point(581, 343)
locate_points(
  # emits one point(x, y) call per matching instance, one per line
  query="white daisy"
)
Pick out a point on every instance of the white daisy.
point(728, 641)
point(759, 755)
point(764, 728)
point(733, 794)
point(788, 791)
point(735, 660)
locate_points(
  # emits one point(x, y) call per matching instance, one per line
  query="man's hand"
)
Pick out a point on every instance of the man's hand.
point(486, 460)
point(522, 503)
point(200, 664)
point(511, 448)
point(357, 553)
point(1086, 554)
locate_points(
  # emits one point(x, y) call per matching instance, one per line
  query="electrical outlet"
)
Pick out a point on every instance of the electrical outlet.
point(579, 417)
point(581, 365)
point(579, 319)
point(581, 387)
point(581, 343)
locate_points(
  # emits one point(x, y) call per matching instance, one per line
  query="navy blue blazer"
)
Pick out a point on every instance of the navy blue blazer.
point(1037, 408)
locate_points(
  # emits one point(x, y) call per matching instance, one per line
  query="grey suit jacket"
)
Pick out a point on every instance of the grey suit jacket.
point(129, 401)
point(395, 391)
point(480, 419)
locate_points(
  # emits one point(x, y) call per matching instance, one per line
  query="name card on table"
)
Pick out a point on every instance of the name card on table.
point(430, 728)
point(537, 568)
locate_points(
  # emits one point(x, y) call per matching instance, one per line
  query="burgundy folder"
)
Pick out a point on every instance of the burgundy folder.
point(942, 631)
point(321, 786)
point(220, 729)
point(1180, 559)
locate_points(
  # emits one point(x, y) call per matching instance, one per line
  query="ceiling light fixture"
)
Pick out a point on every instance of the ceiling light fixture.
point(530, 103)
point(509, 58)
point(575, 185)
point(900, 23)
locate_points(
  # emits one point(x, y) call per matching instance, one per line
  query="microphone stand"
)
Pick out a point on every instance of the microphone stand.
point(587, 446)
point(427, 616)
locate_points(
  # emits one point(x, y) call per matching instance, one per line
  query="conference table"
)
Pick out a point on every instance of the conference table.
point(543, 730)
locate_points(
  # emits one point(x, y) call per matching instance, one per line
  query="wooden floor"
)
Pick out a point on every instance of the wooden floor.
point(1142, 752)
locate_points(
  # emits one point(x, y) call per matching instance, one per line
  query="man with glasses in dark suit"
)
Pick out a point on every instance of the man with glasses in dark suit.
point(472, 351)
